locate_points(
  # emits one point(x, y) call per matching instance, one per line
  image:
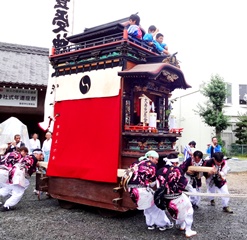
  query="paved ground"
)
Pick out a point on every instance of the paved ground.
point(45, 220)
point(237, 165)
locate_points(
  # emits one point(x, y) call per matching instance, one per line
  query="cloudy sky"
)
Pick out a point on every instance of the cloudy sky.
point(209, 35)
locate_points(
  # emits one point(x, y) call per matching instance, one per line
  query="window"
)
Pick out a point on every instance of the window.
point(242, 94)
point(229, 93)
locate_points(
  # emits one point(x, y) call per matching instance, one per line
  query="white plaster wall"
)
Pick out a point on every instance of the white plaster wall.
point(186, 117)
point(235, 108)
point(194, 127)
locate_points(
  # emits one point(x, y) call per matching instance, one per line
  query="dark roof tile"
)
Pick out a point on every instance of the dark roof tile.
point(20, 64)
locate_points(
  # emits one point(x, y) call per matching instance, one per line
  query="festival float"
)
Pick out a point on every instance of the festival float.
point(111, 105)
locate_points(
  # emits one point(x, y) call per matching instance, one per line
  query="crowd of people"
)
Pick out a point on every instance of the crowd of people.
point(175, 188)
point(17, 164)
point(34, 143)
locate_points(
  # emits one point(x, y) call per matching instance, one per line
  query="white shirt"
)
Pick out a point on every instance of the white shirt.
point(34, 143)
point(47, 145)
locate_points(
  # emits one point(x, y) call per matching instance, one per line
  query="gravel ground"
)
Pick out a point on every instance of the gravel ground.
point(44, 219)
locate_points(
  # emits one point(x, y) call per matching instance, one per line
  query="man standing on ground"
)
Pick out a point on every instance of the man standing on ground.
point(213, 147)
point(34, 142)
point(189, 149)
point(46, 148)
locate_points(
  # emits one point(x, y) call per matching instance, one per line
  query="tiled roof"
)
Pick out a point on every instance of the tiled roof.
point(21, 64)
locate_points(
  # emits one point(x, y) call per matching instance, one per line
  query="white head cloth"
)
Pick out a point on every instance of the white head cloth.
point(37, 151)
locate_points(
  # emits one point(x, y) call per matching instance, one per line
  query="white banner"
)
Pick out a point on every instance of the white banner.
point(62, 27)
point(145, 108)
point(94, 84)
point(18, 97)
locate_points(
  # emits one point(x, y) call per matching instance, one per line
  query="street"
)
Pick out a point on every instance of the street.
point(45, 219)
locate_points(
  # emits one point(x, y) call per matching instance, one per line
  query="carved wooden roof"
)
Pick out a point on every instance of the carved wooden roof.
point(171, 76)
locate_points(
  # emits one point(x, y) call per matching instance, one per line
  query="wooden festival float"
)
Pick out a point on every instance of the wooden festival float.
point(110, 107)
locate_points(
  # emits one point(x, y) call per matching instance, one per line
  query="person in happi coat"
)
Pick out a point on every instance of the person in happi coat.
point(20, 170)
point(169, 195)
point(141, 192)
point(216, 180)
point(194, 178)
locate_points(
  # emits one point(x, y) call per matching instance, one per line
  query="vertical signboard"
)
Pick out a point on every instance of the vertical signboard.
point(60, 23)
point(60, 30)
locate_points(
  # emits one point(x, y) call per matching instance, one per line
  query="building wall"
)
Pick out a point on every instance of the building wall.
point(29, 116)
point(23, 67)
point(194, 127)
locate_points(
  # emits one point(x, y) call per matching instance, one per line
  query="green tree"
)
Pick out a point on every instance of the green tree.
point(212, 112)
point(241, 129)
